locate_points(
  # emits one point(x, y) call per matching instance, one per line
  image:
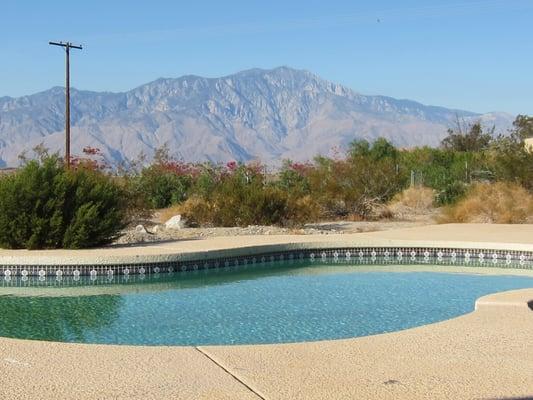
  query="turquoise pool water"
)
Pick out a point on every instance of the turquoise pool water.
point(281, 303)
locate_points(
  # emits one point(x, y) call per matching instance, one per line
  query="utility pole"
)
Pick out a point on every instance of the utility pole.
point(67, 46)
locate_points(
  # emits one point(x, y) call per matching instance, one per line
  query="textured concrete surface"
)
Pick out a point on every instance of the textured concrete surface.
point(495, 233)
point(487, 354)
point(497, 237)
point(45, 370)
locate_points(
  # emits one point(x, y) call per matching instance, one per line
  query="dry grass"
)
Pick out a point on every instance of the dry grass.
point(412, 202)
point(194, 210)
point(419, 198)
point(164, 214)
point(499, 203)
point(197, 211)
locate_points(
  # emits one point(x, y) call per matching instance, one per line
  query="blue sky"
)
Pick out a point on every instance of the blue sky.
point(469, 54)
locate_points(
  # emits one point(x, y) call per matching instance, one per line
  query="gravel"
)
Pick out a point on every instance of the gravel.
point(159, 233)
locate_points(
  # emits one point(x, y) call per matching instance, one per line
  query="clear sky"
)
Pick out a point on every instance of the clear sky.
point(469, 54)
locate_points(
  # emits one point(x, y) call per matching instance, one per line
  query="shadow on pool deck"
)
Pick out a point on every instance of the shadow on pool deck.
point(149, 244)
point(512, 398)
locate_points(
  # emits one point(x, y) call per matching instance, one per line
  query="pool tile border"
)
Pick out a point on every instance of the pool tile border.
point(259, 256)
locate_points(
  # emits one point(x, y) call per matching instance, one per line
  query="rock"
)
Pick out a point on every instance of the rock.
point(140, 229)
point(176, 222)
point(158, 228)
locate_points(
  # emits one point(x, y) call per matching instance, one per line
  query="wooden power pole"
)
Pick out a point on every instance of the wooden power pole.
point(67, 46)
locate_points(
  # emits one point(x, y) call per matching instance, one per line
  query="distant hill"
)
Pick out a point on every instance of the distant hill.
point(265, 114)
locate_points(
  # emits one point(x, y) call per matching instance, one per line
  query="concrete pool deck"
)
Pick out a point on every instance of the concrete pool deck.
point(487, 354)
point(504, 237)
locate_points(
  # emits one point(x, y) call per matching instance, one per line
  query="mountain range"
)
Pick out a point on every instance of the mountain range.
point(255, 114)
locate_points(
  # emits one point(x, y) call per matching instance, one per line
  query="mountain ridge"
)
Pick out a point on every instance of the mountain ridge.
point(268, 114)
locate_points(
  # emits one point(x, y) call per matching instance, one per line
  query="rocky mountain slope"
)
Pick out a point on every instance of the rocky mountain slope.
point(264, 114)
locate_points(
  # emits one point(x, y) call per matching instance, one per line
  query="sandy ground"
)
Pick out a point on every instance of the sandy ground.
point(156, 232)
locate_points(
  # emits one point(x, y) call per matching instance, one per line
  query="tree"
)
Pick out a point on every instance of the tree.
point(379, 149)
point(522, 128)
point(471, 139)
point(511, 160)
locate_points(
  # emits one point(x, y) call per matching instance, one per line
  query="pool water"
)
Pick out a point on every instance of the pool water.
point(278, 304)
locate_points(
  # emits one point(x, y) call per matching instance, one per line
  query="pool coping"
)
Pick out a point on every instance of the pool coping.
point(483, 354)
point(234, 251)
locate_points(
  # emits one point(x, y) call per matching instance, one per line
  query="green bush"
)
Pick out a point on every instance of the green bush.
point(451, 193)
point(293, 178)
point(240, 195)
point(45, 206)
point(162, 188)
point(242, 198)
point(511, 160)
point(355, 186)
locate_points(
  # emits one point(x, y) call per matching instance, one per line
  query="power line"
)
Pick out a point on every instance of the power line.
point(67, 46)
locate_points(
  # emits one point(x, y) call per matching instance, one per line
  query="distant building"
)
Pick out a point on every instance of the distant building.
point(7, 171)
point(529, 144)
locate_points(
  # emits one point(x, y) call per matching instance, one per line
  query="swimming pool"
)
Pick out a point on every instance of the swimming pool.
point(280, 303)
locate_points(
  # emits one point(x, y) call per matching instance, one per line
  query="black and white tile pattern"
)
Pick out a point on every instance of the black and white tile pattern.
point(353, 255)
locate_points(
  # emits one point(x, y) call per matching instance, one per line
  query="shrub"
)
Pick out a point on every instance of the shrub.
point(207, 180)
point(302, 210)
point(511, 160)
point(451, 193)
point(243, 199)
point(162, 188)
point(354, 187)
point(167, 181)
point(196, 211)
point(137, 205)
point(45, 206)
point(447, 171)
point(293, 177)
point(261, 207)
point(239, 195)
point(500, 202)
